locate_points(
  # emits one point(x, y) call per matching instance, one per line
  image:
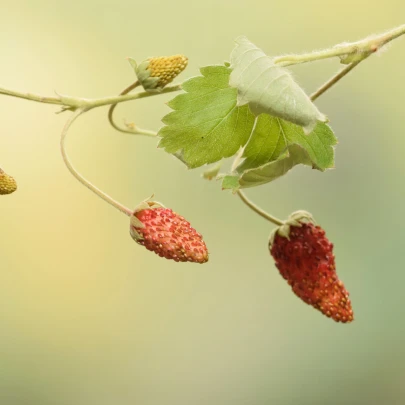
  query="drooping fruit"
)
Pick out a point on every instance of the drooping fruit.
point(304, 257)
point(167, 234)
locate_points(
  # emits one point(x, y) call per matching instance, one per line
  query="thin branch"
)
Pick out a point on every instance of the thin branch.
point(359, 50)
point(30, 96)
point(74, 103)
point(92, 103)
point(333, 80)
point(362, 49)
point(77, 175)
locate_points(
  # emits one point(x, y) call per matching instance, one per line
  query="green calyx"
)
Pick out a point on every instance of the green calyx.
point(296, 219)
point(135, 223)
point(144, 74)
point(155, 73)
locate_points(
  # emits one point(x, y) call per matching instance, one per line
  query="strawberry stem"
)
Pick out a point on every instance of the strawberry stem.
point(77, 175)
point(258, 210)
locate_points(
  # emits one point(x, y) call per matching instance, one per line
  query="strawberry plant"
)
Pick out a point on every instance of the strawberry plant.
point(249, 109)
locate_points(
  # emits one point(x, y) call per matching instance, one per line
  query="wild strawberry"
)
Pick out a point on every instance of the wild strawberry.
point(304, 257)
point(7, 183)
point(167, 234)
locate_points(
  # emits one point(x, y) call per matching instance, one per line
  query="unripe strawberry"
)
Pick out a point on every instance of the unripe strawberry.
point(304, 257)
point(7, 183)
point(167, 234)
point(156, 73)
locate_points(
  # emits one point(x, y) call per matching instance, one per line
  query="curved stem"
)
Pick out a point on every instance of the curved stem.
point(258, 210)
point(112, 107)
point(131, 128)
point(77, 175)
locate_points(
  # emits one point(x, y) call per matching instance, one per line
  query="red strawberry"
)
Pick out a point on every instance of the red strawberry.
point(167, 234)
point(304, 257)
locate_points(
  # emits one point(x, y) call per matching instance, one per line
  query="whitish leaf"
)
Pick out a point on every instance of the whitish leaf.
point(268, 88)
point(206, 124)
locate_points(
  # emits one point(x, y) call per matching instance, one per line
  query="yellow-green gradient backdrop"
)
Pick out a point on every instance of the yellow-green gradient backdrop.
point(88, 317)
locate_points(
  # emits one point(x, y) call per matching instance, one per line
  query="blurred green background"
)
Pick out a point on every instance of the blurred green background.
point(88, 317)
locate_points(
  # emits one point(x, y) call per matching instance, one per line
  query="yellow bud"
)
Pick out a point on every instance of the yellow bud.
point(166, 68)
point(156, 73)
point(7, 184)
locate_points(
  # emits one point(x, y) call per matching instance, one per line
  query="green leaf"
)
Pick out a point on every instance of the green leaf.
point(276, 146)
point(230, 183)
point(268, 88)
point(269, 171)
point(273, 170)
point(267, 142)
point(206, 124)
point(272, 135)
